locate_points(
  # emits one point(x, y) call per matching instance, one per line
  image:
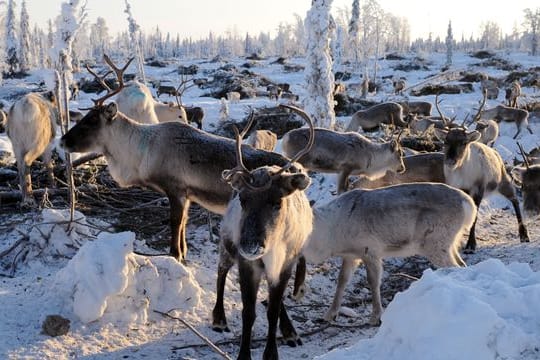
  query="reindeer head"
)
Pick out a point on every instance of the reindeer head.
point(528, 177)
point(85, 136)
point(456, 144)
point(266, 195)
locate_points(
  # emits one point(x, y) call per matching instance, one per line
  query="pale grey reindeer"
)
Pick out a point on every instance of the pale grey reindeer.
point(489, 131)
point(173, 158)
point(372, 117)
point(394, 221)
point(263, 230)
point(478, 170)
point(345, 154)
point(416, 107)
point(31, 127)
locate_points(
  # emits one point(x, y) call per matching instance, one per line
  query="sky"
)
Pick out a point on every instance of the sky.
point(196, 18)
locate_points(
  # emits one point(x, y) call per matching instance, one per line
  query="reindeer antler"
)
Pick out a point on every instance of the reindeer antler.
point(443, 118)
point(119, 75)
point(524, 155)
point(479, 113)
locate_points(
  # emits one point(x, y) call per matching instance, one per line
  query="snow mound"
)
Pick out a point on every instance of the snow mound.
point(106, 281)
point(487, 311)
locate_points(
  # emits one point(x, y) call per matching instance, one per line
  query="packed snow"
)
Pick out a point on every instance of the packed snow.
point(87, 272)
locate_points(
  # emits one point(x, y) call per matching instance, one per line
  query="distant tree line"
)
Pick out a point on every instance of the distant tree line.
point(359, 36)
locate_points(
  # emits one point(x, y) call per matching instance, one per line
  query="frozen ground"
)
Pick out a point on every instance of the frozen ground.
point(92, 277)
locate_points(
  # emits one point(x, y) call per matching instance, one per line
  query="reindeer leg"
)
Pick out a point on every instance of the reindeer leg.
point(250, 277)
point(374, 273)
point(343, 181)
point(275, 304)
point(179, 211)
point(47, 159)
point(226, 261)
point(25, 182)
point(507, 190)
point(287, 329)
point(470, 247)
point(299, 279)
point(348, 266)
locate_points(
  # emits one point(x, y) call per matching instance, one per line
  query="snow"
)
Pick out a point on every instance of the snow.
point(88, 273)
point(489, 310)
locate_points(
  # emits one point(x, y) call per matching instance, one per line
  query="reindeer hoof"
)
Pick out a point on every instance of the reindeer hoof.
point(294, 342)
point(221, 328)
point(469, 251)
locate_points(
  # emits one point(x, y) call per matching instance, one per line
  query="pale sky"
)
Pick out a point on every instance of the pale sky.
point(197, 17)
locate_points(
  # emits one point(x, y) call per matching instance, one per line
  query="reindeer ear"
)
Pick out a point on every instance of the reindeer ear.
point(292, 182)
point(517, 174)
point(473, 136)
point(111, 110)
point(441, 134)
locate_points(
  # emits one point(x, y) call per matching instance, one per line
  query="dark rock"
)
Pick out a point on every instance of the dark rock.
point(55, 325)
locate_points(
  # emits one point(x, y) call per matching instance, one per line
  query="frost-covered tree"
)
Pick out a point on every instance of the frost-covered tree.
point(532, 25)
point(299, 35)
point(449, 44)
point(491, 35)
point(12, 56)
point(99, 37)
point(354, 32)
point(135, 36)
point(319, 102)
point(337, 46)
point(25, 57)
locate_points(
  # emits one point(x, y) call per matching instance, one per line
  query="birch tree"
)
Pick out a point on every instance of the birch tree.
point(319, 102)
point(135, 36)
point(532, 24)
point(354, 33)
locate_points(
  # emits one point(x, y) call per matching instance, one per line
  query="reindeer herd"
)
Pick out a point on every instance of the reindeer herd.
point(402, 203)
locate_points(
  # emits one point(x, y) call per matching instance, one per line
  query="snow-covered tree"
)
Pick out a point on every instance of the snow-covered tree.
point(99, 37)
point(354, 32)
point(25, 57)
point(319, 102)
point(532, 25)
point(135, 36)
point(491, 35)
point(449, 44)
point(12, 56)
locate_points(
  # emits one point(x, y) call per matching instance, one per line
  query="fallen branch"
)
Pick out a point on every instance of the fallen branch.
point(86, 158)
point(204, 338)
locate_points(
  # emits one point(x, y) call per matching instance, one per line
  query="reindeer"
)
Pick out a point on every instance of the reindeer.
point(344, 153)
point(339, 88)
point(490, 87)
point(195, 114)
point(136, 102)
point(489, 131)
point(416, 107)
point(371, 118)
point(478, 170)
point(528, 178)
point(509, 114)
point(512, 94)
point(31, 127)
point(173, 158)
point(369, 225)
point(263, 230)
point(274, 92)
point(422, 167)
point(166, 89)
point(399, 86)
point(262, 139)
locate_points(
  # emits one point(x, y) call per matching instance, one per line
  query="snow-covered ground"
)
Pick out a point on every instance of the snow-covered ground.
point(110, 295)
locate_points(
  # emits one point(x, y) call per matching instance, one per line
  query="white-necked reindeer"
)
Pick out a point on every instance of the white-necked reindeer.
point(263, 230)
point(269, 222)
point(173, 158)
point(344, 153)
point(31, 127)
